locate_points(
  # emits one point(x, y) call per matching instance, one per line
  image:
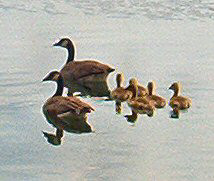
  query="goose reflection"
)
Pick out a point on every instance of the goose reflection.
point(65, 113)
point(54, 139)
point(90, 89)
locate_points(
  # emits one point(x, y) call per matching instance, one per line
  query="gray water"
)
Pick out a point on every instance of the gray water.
point(165, 41)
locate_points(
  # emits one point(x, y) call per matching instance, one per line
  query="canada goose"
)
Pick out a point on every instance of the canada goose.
point(88, 74)
point(120, 94)
point(159, 102)
point(179, 101)
point(66, 113)
point(140, 105)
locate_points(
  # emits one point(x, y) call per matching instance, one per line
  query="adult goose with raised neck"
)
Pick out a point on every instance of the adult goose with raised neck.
point(84, 75)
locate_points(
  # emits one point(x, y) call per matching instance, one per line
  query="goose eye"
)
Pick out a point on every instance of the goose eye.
point(64, 43)
point(55, 77)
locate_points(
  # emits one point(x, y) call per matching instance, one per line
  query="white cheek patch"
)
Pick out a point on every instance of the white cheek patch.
point(64, 43)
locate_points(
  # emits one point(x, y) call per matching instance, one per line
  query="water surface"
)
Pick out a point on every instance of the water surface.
point(165, 41)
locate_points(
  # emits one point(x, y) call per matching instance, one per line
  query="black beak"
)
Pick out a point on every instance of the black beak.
point(45, 79)
point(56, 44)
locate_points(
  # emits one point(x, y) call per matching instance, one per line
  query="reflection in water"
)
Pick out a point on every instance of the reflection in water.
point(71, 126)
point(118, 107)
point(175, 113)
point(91, 89)
point(54, 139)
point(132, 118)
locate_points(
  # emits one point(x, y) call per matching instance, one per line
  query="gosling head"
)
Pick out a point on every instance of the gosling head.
point(64, 42)
point(120, 79)
point(175, 86)
point(151, 87)
point(133, 82)
point(52, 76)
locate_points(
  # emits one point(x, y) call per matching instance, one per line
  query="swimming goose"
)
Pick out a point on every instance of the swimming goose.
point(88, 74)
point(140, 105)
point(120, 94)
point(159, 102)
point(66, 113)
point(179, 101)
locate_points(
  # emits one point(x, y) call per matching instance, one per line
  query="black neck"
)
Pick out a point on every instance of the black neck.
point(119, 84)
point(60, 86)
point(150, 91)
point(176, 92)
point(71, 52)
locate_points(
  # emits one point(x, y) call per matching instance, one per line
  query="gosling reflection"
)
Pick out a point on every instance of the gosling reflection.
point(132, 118)
point(118, 107)
point(54, 139)
point(175, 113)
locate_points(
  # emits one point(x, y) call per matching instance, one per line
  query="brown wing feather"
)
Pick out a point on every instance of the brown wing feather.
point(142, 91)
point(79, 69)
point(180, 102)
point(68, 104)
point(121, 94)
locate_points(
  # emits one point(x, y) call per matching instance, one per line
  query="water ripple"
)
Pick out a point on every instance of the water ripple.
point(153, 9)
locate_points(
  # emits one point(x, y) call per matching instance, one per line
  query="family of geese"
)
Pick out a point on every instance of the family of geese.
point(89, 77)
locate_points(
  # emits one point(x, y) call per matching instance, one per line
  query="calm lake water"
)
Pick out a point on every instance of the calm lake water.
point(165, 41)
